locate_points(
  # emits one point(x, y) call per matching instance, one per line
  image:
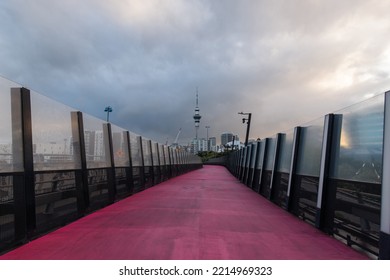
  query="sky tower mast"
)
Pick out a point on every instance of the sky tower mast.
point(197, 117)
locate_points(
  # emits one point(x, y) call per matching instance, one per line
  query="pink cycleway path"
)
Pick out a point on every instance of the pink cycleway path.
point(205, 214)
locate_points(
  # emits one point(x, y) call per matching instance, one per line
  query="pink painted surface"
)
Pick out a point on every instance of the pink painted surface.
point(205, 214)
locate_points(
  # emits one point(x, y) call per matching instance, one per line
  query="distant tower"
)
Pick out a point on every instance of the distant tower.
point(197, 117)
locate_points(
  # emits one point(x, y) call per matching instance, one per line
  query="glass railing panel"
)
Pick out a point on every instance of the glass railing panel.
point(136, 158)
point(254, 151)
point(244, 156)
point(95, 143)
point(53, 144)
point(285, 152)
point(358, 154)
point(310, 147)
point(261, 155)
point(155, 154)
point(120, 146)
point(11, 159)
point(147, 152)
point(161, 153)
point(173, 156)
point(167, 155)
point(249, 155)
point(269, 161)
point(357, 173)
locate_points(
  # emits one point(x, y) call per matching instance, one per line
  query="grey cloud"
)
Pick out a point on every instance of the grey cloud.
point(285, 61)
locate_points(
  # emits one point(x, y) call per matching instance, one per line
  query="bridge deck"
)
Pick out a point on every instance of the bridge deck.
point(205, 214)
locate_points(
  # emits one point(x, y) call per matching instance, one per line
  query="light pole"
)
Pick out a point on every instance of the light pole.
point(108, 109)
point(207, 138)
point(248, 122)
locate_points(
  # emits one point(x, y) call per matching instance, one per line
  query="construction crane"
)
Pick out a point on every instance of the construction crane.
point(175, 143)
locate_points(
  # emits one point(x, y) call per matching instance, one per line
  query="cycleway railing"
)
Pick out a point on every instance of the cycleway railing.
point(58, 164)
point(333, 172)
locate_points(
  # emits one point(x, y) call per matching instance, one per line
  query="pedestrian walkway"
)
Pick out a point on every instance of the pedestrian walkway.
point(204, 214)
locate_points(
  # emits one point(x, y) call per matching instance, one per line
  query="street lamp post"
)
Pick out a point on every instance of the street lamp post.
point(207, 137)
point(108, 109)
point(248, 122)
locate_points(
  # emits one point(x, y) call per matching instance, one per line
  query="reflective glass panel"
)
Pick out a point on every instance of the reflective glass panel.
point(285, 152)
point(167, 156)
point(95, 142)
point(310, 147)
point(248, 155)
point(11, 158)
point(358, 154)
point(261, 155)
point(120, 146)
point(173, 156)
point(162, 156)
point(155, 154)
point(53, 144)
point(147, 152)
point(254, 151)
point(135, 150)
point(269, 161)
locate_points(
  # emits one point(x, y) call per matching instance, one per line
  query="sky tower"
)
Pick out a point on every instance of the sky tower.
point(197, 117)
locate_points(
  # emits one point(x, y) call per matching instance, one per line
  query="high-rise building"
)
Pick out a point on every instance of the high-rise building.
point(198, 145)
point(213, 144)
point(226, 138)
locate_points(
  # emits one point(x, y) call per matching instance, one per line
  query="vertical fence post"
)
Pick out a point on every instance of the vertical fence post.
point(238, 163)
point(264, 159)
point(22, 151)
point(248, 163)
point(142, 164)
point(243, 163)
point(169, 162)
point(151, 162)
point(129, 169)
point(384, 238)
point(255, 164)
point(275, 164)
point(324, 170)
point(164, 169)
point(158, 164)
point(81, 175)
point(109, 155)
point(293, 167)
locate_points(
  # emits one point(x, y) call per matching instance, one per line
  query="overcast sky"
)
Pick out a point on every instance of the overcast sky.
point(287, 62)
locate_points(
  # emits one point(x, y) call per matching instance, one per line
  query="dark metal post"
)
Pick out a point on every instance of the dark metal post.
point(142, 167)
point(170, 172)
point(324, 170)
point(275, 163)
point(22, 150)
point(159, 168)
point(293, 167)
point(164, 167)
point(152, 163)
point(109, 155)
point(255, 177)
point(129, 169)
point(81, 175)
point(263, 159)
point(384, 237)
